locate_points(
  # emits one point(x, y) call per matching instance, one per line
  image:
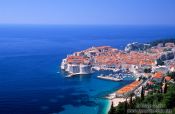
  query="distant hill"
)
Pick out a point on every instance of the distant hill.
point(154, 43)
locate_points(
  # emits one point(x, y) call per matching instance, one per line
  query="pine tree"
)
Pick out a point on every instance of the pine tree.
point(131, 100)
point(126, 107)
point(112, 110)
point(161, 87)
point(165, 88)
point(161, 91)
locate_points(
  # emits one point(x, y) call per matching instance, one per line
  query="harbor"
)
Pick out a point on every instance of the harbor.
point(110, 77)
point(114, 77)
point(118, 66)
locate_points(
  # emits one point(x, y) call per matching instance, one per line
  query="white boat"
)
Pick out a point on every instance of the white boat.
point(70, 75)
point(116, 70)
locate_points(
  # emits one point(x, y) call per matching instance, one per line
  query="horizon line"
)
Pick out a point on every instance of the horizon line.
point(87, 24)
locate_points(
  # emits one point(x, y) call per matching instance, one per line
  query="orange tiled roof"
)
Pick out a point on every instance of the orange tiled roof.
point(158, 75)
point(128, 88)
point(75, 59)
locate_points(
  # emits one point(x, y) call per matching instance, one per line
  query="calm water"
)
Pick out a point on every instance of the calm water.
point(29, 61)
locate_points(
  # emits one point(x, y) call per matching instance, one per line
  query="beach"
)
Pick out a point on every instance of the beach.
point(115, 100)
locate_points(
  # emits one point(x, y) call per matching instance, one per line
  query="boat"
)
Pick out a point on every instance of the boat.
point(70, 75)
point(116, 70)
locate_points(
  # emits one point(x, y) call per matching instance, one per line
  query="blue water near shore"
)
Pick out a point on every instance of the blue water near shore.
point(30, 57)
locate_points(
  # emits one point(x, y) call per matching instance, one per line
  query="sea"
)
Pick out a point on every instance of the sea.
point(31, 81)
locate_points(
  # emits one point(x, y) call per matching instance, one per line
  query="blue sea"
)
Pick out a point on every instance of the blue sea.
point(31, 81)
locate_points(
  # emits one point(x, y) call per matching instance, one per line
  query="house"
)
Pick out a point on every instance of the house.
point(163, 69)
point(157, 77)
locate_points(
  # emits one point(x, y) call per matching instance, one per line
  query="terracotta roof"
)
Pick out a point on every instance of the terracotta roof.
point(128, 88)
point(75, 59)
point(158, 75)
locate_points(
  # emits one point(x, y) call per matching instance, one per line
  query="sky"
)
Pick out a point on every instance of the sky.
point(88, 12)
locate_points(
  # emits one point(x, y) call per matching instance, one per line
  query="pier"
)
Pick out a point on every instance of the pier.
point(111, 77)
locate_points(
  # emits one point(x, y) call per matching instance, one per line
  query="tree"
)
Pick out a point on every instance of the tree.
point(159, 62)
point(120, 109)
point(147, 70)
point(161, 91)
point(166, 100)
point(112, 110)
point(126, 107)
point(165, 88)
point(131, 100)
point(142, 94)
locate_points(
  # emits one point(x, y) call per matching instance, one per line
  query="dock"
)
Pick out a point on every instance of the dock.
point(110, 78)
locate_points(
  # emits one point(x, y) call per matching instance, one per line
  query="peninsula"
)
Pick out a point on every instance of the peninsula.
point(135, 59)
point(149, 63)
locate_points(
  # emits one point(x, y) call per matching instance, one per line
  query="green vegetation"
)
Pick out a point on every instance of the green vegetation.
point(167, 49)
point(142, 94)
point(154, 43)
point(112, 109)
point(160, 62)
point(172, 75)
point(155, 100)
point(147, 70)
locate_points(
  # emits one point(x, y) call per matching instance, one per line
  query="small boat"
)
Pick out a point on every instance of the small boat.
point(70, 75)
point(67, 76)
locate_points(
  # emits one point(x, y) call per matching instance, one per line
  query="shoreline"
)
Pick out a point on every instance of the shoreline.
point(111, 97)
point(115, 101)
point(108, 106)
